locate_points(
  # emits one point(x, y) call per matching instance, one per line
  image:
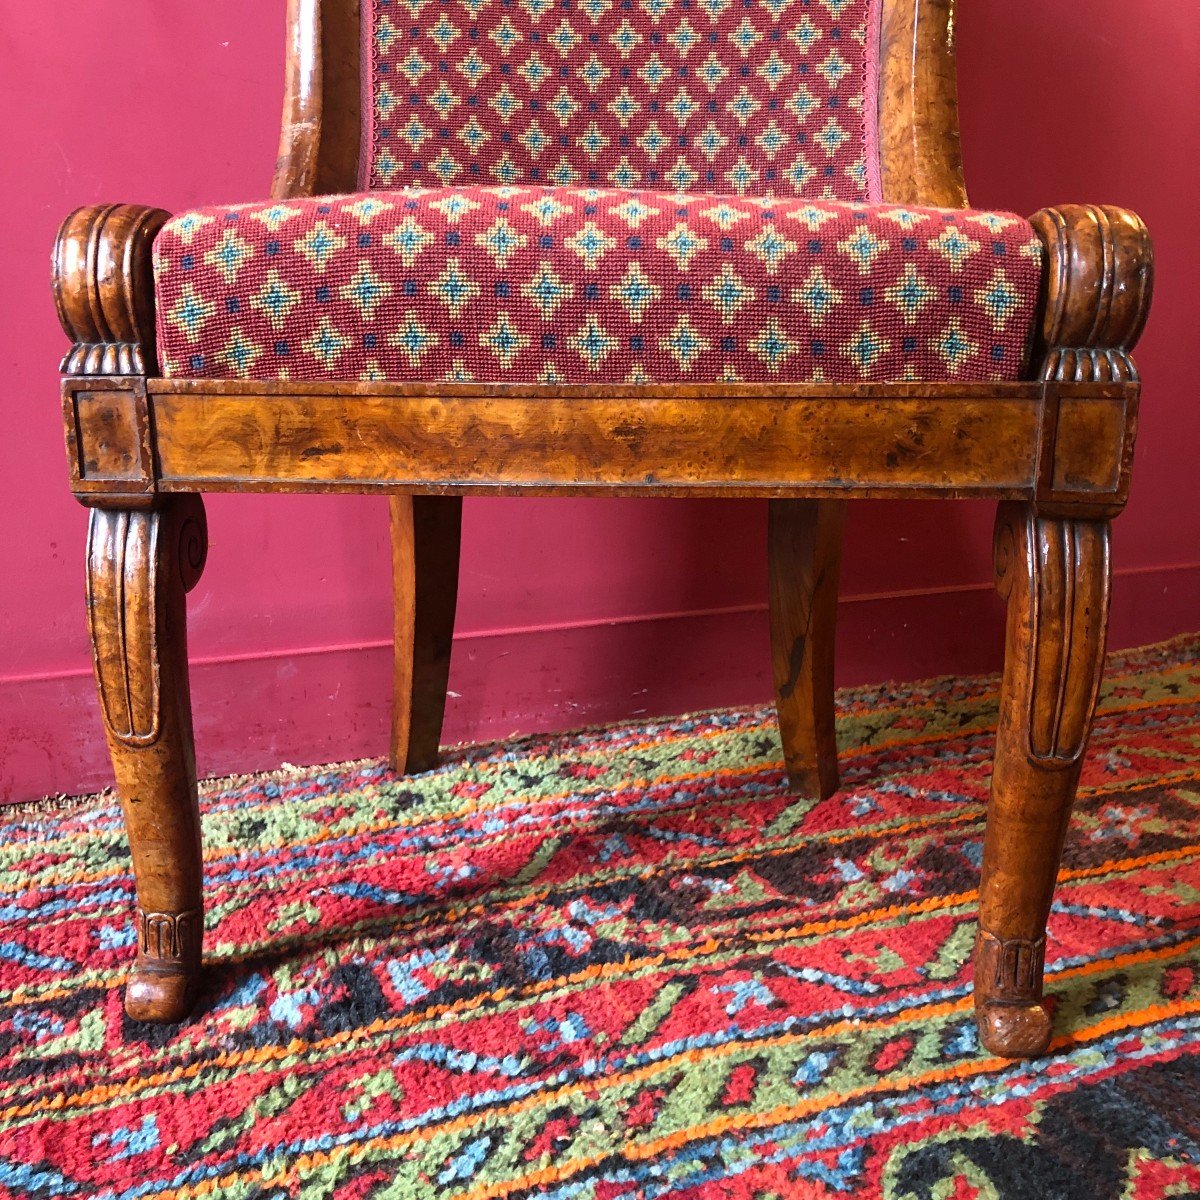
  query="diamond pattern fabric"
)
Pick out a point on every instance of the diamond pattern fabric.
point(553, 284)
point(739, 96)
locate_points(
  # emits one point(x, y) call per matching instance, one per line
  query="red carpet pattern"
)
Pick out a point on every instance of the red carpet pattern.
point(624, 963)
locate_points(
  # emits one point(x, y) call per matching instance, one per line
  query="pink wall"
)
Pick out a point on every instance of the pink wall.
point(571, 611)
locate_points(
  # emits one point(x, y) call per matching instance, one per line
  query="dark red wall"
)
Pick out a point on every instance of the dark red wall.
point(571, 611)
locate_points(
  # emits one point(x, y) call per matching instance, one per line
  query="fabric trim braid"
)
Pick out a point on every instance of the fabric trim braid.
point(872, 65)
point(366, 102)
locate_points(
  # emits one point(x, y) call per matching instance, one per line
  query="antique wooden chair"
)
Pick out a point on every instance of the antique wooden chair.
point(638, 247)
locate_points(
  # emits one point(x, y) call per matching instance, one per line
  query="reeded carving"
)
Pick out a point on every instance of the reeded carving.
point(1010, 968)
point(104, 289)
point(128, 582)
point(1058, 573)
point(1100, 278)
point(170, 938)
point(1055, 573)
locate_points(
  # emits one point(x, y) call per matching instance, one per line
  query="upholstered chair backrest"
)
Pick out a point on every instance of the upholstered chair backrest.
point(754, 97)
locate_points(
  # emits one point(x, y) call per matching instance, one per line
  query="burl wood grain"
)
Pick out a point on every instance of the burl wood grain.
point(932, 439)
point(920, 153)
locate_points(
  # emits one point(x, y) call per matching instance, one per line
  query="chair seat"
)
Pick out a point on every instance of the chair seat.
point(577, 285)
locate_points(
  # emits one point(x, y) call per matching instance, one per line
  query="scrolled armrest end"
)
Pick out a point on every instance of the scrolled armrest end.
point(1099, 282)
point(104, 288)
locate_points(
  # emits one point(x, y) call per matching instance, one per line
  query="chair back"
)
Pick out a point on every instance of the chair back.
point(838, 99)
point(751, 97)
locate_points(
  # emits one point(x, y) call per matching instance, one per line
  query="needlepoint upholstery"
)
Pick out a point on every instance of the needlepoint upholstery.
point(735, 96)
point(548, 284)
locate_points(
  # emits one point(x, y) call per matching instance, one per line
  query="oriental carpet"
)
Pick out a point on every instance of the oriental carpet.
point(624, 963)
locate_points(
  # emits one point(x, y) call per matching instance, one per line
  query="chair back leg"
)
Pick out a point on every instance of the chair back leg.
point(426, 532)
point(804, 554)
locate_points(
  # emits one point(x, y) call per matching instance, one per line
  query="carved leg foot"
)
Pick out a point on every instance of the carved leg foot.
point(140, 564)
point(1055, 574)
point(804, 552)
point(425, 544)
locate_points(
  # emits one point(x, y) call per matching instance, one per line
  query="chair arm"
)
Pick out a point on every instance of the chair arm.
point(1097, 292)
point(104, 289)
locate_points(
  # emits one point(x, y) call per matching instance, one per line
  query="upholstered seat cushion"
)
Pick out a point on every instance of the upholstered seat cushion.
point(582, 285)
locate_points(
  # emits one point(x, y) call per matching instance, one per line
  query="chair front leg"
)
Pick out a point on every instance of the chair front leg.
point(426, 532)
point(145, 551)
point(804, 555)
point(1052, 565)
point(1055, 573)
point(139, 565)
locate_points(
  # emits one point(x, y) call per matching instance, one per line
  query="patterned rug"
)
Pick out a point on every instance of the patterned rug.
point(624, 963)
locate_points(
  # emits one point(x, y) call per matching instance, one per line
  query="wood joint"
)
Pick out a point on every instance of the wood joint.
point(110, 451)
point(1085, 450)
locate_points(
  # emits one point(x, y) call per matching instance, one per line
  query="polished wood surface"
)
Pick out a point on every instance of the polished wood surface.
point(426, 533)
point(104, 289)
point(1056, 451)
point(319, 138)
point(804, 556)
point(1053, 565)
point(1056, 575)
point(139, 566)
point(932, 440)
point(919, 150)
point(1099, 284)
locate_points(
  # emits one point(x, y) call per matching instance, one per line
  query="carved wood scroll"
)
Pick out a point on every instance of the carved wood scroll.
point(1057, 573)
point(104, 289)
point(1099, 283)
point(126, 598)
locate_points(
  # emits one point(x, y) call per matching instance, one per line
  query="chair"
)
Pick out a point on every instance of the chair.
point(638, 247)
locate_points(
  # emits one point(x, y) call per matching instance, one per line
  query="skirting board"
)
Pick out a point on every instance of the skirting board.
point(327, 704)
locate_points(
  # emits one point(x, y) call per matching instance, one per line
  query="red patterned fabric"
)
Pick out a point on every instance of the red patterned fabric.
point(754, 97)
point(562, 284)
